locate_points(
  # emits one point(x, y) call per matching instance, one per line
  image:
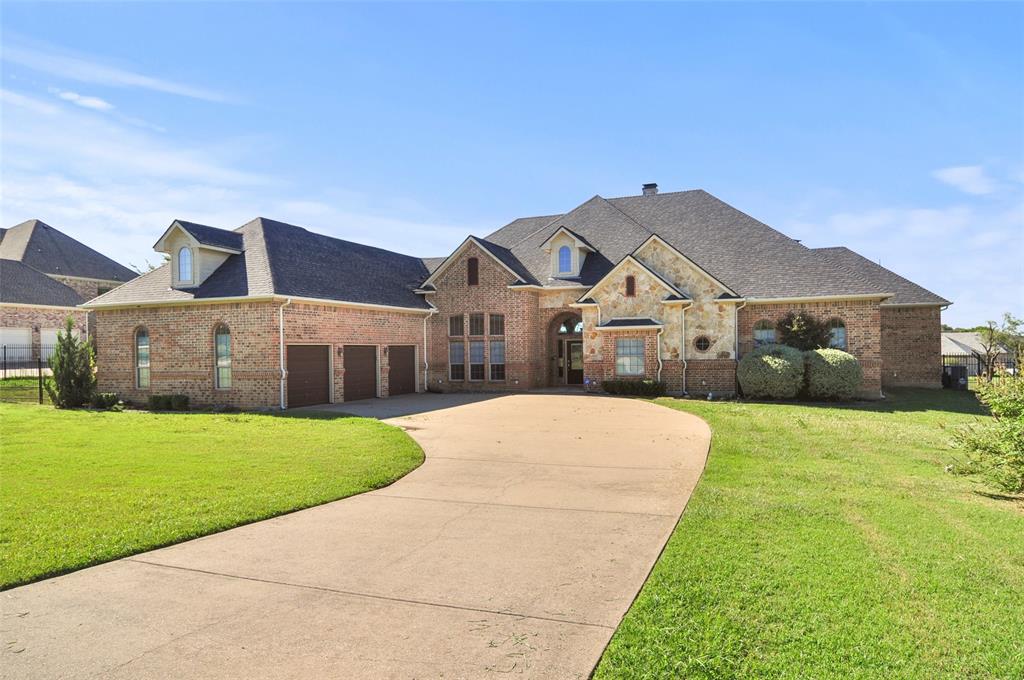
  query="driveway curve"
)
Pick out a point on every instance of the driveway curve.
point(515, 549)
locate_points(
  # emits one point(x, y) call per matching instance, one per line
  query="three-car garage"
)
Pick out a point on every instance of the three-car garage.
point(311, 370)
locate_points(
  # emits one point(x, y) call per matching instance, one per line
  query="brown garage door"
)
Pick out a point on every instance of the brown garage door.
point(360, 372)
point(308, 375)
point(401, 369)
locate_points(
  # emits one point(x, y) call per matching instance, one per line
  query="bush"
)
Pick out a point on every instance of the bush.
point(74, 370)
point(105, 400)
point(771, 371)
point(996, 449)
point(159, 402)
point(831, 374)
point(802, 331)
point(636, 388)
point(179, 402)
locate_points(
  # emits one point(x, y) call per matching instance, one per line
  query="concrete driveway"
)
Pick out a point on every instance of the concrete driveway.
point(515, 549)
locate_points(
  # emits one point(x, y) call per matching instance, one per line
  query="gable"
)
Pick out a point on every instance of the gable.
point(680, 271)
point(491, 271)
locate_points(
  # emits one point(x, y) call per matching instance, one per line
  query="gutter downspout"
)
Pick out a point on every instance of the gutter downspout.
point(682, 354)
point(736, 329)
point(658, 340)
point(280, 336)
point(426, 353)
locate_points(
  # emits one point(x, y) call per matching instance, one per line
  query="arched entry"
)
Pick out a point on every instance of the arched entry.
point(565, 345)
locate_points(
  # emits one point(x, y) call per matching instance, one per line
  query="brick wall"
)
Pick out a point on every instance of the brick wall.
point(863, 331)
point(37, 318)
point(711, 376)
point(911, 346)
point(598, 370)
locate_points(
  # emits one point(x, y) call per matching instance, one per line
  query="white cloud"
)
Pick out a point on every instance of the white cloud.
point(970, 179)
point(86, 70)
point(85, 102)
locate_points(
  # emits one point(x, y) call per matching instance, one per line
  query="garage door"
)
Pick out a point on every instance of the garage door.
point(48, 340)
point(401, 369)
point(308, 375)
point(360, 372)
point(21, 337)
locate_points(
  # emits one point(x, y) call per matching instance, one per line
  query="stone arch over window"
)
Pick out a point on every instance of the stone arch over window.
point(472, 271)
point(764, 333)
point(141, 340)
point(184, 263)
point(222, 356)
point(564, 260)
point(630, 286)
point(837, 333)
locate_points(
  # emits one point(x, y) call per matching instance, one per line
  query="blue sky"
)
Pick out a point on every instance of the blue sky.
point(897, 130)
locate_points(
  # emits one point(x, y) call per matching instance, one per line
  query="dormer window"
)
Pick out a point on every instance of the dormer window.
point(185, 264)
point(564, 260)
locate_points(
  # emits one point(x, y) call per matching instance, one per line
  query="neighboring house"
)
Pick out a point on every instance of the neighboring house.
point(967, 348)
point(671, 286)
point(44, 276)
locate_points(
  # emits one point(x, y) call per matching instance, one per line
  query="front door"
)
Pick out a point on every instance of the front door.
point(574, 362)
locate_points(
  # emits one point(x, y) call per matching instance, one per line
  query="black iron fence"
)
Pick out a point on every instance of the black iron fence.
point(25, 383)
point(972, 365)
point(24, 358)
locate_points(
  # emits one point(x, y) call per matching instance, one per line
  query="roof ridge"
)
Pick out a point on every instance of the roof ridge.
point(628, 216)
point(666, 193)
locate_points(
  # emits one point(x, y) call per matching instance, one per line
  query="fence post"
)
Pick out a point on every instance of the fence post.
point(5, 362)
point(39, 374)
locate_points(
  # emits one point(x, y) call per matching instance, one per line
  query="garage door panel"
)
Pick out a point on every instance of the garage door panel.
point(360, 372)
point(308, 375)
point(401, 369)
point(20, 337)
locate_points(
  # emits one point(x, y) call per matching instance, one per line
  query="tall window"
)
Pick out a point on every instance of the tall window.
point(142, 358)
point(564, 260)
point(476, 324)
point(631, 286)
point(185, 264)
point(457, 360)
point(455, 324)
point(476, 360)
point(222, 355)
point(497, 324)
point(629, 356)
point(472, 271)
point(497, 360)
point(764, 333)
point(837, 334)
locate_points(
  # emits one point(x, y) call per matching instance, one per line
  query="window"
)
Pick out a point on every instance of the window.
point(476, 360)
point(837, 334)
point(702, 343)
point(472, 271)
point(222, 355)
point(142, 358)
point(630, 286)
point(564, 260)
point(476, 324)
point(457, 361)
point(571, 326)
point(764, 333)
point(455, 324)
point(184, 264)
point(497, 360)
point(629, 356)
point(103, 290)
point(497, 324)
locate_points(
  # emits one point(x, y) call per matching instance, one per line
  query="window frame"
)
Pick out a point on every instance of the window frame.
point(480, 366)
point(219, 330)
point(190, 261)
point(565, 267)
point(473, 271)
point(696, 343)
point(763, 325)
point(631, 357)
point(461, 365)
point(834, 324)
point(462, 325)
point(477, 317)
point(491, 364)
point(139, 367)
point(630, 286)
point(491, 318)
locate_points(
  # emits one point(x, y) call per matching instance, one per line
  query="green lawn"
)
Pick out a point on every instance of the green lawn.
point(830, 543)
point(81, 487)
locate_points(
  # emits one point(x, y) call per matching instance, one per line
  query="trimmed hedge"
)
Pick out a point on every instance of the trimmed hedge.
point(168, 402)
point(771, 371)
point(104, 400)
point(636, 388)
point(831, 374)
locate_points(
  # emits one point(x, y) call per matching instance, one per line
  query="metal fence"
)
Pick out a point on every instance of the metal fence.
point(25, 383)
point(17, 360)
point(975, 363)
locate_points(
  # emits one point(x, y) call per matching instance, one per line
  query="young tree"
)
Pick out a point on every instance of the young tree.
point(74, 377)
point(996, 339)
point(803, 331)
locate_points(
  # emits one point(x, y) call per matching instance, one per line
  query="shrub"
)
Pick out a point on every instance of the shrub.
point(802, 331)
point(179, 402)
point(74, 377)
point(636, 388)
point(772, 371)
point(996, 449)
point(831, 374)
point(159, 402)
point(104, 400)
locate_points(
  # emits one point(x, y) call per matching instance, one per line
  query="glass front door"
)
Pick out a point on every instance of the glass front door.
point(574, 371)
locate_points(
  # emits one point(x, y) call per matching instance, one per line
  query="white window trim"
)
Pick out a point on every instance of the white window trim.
point(191, 265)
point(643, 350)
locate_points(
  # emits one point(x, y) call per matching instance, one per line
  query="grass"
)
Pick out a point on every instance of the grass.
point(81, 487)
point(828, 542)
point(22, 390)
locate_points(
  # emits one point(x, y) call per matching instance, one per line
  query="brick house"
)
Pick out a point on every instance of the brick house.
point(672, 286)
point(45, 275)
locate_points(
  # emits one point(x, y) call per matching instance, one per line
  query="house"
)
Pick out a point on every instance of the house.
point(967, 348)
point(45, 275)
point(668, 286)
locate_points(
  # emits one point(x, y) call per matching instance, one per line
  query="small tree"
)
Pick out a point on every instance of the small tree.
point(802, 331)
point(995, 339)
point(74, 377)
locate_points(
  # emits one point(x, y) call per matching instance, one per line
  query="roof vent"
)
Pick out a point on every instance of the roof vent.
point(650, 189)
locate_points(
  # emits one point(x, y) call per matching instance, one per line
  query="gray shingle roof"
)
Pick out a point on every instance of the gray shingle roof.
point(51, 251)
point(629, 321)
point(21, 284)
point(212, 236)
point(906, 291)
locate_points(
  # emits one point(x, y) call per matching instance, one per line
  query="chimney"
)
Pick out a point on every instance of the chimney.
point(650, 189)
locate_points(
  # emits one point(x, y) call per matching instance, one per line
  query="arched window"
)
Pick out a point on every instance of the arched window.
point(222, 357)
point(764, 333)
point(571, 326)
point(564, 260)
point(142, 358)
point(837, 334)
point(185, 264)
point(472, 271)
point(630, 286)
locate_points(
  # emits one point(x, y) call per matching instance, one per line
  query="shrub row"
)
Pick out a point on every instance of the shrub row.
point(168, 402)
point(104, 400)
point(636, 388)
point(783, 372)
